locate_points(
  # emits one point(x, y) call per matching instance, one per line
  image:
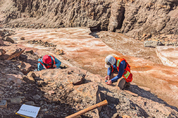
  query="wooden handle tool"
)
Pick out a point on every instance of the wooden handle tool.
point(105, 102)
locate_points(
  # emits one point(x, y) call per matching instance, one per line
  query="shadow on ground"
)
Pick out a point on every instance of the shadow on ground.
point(48, 108)
point(146, 94)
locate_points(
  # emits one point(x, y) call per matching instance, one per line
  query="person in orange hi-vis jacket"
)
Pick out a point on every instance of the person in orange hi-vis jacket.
point(120, 66)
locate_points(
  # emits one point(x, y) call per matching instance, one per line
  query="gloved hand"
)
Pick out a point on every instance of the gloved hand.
point(107, 77)
point(54, 66)
point(109, 82)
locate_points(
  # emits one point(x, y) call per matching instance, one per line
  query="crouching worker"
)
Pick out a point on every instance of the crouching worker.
point(48, 62)
point(121, 67)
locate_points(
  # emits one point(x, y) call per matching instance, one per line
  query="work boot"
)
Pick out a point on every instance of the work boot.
point(127, 85)
point(121, 83)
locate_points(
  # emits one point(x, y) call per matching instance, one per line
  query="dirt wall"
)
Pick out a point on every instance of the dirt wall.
point(132, 17)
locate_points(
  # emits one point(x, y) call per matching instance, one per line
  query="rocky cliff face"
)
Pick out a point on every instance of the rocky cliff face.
point(150, 17)
point(132, 17)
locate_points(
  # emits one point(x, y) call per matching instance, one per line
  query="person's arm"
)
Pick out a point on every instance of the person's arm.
point(40, 67)
point(58, 63)
point(109, 71)
point(120, 73)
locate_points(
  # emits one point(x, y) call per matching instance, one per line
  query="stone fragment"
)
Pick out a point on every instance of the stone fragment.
point(44, 110)
point(30, 103)
point(17, 53)
point(2, 52)
point(25, 68)
point(126, 116)
point(36, 97)
point(30, 51)
point(1, 32)
point(150, 44)
point(162, 109)
point(16, 100)
point(8, 39)
point(22, 38)
point(31, 76)
point(17, 79)
point(160, 43)
point(73, 75)
point(59, 52)
point(51, 92)
point(116, 115)
point(14, 38)
point(1, 42)
point(3, 104)
point(1, 92)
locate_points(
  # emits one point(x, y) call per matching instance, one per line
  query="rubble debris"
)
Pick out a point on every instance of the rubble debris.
point(30, 103)
point(1, 92)
point(80, 81)
point(40, 42)
point(63, 66)
point(126, 116)
point(16, 54)
point(22, 38)
point(1, 32)
point(31, 76)
point(5, 33)
point(9, 39)
point(1, 42)
point(17, 100)
point(30, 51)
point(2, 52)
point(150, 44)
point(145, 36)
point(59, 52)
point(3, 104)
point(59, 88)
point(16, 78)
point(116, 115)
point(25, 67)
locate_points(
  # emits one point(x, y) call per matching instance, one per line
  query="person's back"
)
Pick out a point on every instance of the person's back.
point(48, 62)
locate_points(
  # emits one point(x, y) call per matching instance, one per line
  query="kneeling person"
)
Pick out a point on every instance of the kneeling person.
point(48, 62)
point(119, 66)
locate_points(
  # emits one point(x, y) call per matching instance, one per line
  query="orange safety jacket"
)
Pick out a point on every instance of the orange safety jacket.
point(127, 75)
point(49, 66)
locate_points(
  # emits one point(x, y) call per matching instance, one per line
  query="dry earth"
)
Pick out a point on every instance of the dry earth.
point(50, 90)
point(80, 82)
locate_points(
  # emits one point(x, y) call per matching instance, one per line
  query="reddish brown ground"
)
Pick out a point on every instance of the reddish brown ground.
point(89, 53)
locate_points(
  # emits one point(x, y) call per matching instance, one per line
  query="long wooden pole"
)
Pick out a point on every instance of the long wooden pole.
point(105, 102)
